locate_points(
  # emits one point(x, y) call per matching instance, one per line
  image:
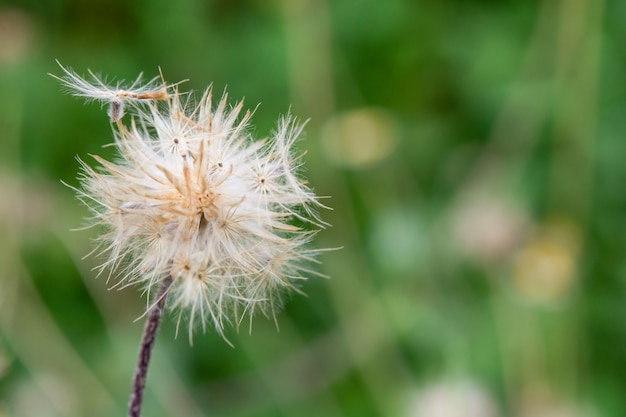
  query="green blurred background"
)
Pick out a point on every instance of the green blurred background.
point(474, 155)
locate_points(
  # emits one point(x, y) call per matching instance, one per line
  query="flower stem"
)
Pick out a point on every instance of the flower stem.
point(145, 351)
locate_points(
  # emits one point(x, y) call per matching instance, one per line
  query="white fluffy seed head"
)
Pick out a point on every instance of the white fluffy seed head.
point(194, 197)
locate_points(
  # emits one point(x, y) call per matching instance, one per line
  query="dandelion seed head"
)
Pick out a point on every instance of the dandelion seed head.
point(193, 197)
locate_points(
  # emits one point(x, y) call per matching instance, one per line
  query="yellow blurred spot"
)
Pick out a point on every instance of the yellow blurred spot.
point(544, 270)
point(537, 400)
point(360, 137)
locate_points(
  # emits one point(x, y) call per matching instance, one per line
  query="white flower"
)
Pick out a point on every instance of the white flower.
point(193, 197)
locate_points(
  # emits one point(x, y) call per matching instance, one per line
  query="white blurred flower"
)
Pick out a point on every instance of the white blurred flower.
point(193, 197)
point(452, 399)
point(488, 228)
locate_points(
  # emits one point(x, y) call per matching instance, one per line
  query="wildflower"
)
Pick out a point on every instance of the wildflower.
point(194, 200)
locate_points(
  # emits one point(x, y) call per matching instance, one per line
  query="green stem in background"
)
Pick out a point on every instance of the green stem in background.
point(145, 351)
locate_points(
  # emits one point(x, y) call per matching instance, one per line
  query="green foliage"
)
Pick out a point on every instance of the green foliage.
point(483, 224)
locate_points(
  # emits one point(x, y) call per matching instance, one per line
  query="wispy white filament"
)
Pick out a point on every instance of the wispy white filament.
point(194, 197)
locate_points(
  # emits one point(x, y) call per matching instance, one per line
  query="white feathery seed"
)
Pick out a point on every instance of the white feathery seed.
point(115, 97)
point(194, 197)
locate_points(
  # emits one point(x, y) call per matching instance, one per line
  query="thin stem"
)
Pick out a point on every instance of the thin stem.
point(145, 351)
